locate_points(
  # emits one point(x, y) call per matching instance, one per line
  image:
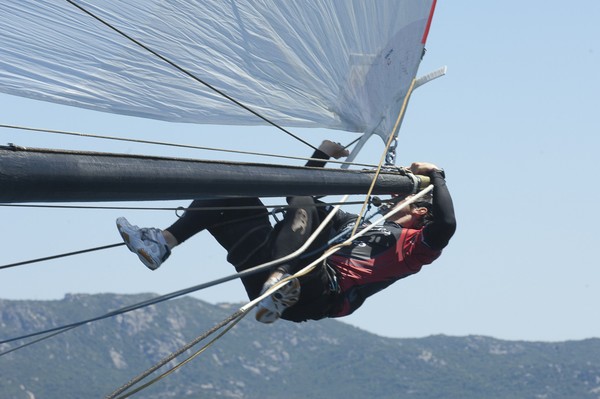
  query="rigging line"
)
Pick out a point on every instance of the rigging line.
point(126, 309)
point(237, 316)
point(100, 207)
point(346, 146)
point(231, 320)
point(153, 301)
point(177, 209)
point(61, 255)
point(188, 73)
point(16, 348)
point(163, 298)
point(248, 272)
point(188, 146)
point(61, 329)
point(64, 255)
point(276, 209)
point(387, 146)
point(242, 311)
point(130, 308)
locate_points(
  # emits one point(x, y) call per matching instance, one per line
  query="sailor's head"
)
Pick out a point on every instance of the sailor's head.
point(415, 215)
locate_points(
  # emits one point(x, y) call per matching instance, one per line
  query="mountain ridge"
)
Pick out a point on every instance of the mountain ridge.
point(314, 359)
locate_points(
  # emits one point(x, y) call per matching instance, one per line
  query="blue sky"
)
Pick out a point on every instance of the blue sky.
point(514, 123)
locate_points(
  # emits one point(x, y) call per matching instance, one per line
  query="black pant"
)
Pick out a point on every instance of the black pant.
point(250, 240)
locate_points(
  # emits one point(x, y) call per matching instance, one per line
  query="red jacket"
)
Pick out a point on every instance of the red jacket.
point(376, 260)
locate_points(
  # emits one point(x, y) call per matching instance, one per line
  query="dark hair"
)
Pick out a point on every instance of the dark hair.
point(425, 201)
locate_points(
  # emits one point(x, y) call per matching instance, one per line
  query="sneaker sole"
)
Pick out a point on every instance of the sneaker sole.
point(266, 316)
point(281, 301)
point(147, 259)
point(123, 225)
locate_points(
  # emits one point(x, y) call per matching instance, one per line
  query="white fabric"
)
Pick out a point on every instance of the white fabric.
point(340, 64)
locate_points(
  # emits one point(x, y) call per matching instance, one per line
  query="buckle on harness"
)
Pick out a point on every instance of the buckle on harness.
point(334, 287)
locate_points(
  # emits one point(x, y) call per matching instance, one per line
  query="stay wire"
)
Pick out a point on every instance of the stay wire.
point(25, 345)
point(277, 209)
point(126, 309)
point(235, 316)
point(188, 73)
point(149, 208)
point(64, 255)
point(177, 145)
point(230, 322)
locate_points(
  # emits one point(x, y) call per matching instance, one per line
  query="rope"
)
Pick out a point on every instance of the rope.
point(242, 312)
point(61, 255)
point(139, 305)
point(248, 272)
point(172, 356)
point(177, 209)
point(256, 269)
point(189, 359)
point(34, 341)
point(188, 146)
point(188, 73)
point(387, 146)
point(276, 209)
point(159, 299)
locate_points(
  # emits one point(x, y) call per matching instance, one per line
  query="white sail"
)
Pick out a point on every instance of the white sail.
point(339, 64)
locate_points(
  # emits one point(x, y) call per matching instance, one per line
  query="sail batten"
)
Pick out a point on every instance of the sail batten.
point(342, 65)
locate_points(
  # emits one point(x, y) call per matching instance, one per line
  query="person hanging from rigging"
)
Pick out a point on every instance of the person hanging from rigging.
point(396, 249)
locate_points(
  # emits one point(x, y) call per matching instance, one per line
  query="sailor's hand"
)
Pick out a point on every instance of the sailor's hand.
point(334, 150)
point(423, 168)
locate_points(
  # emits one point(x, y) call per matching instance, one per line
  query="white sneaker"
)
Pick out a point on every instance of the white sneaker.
point(271, 308)
point(148, 243)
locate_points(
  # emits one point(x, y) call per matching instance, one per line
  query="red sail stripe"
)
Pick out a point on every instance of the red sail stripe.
point(424, 39)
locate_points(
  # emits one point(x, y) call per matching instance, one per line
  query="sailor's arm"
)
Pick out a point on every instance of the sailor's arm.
point(327, 149)
point(437, 234)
